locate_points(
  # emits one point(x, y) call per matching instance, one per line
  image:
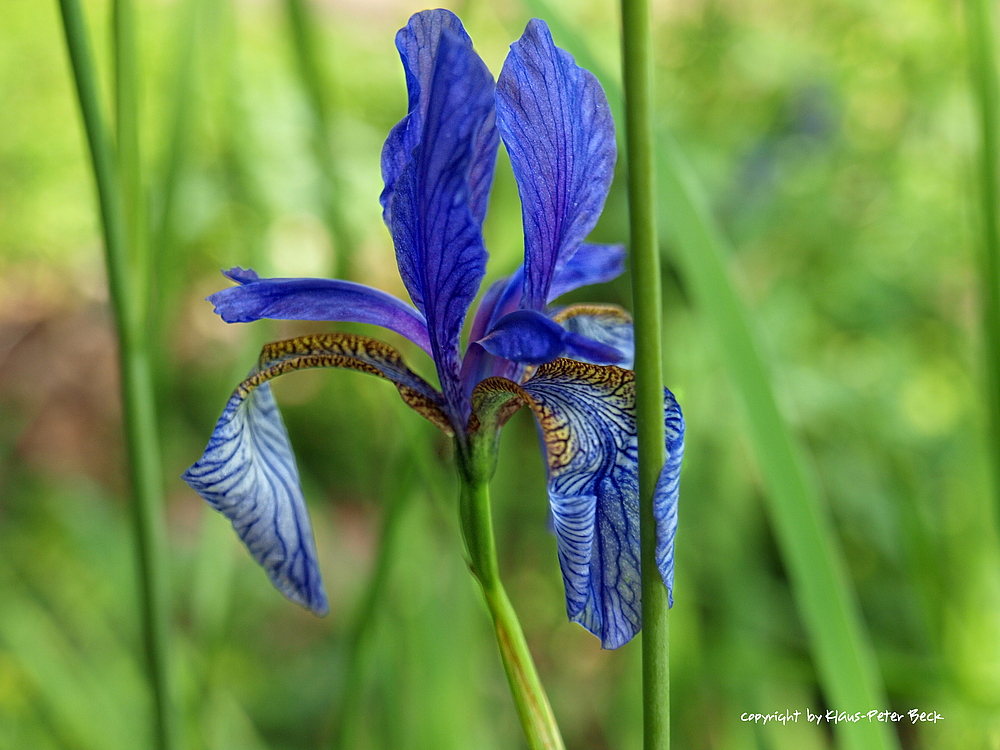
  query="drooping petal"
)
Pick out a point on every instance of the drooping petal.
point(248, 474)
point(555, 121)
point(418, 44)
point(608, 324)
point(587, 418)
point(531, 338)
point(248, 470)
point(437, 234)
point(354, 353)
point(317, 299)
point(591, 264)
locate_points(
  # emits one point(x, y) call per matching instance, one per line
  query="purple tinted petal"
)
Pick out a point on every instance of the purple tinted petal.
point(525, 336)
point(591, 264)
point(484, 317)
point(241, 275)
point(556, 124)
point(418, 45)
point(500, 299)
point(586, 419)
point(531, 338)
point(667, 492)
point(317, 299)
point(438, 239)
point(586, 349)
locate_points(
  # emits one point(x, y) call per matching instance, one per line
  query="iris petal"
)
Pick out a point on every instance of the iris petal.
point(248, 474)
point(431, 207)
point(587, 417)
point(248, 470)
point(317, 299)
point(531, 338)
point(418, 44)
point(555, 121)
point(607, 324)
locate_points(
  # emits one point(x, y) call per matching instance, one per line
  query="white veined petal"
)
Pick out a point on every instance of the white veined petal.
point(248, 473)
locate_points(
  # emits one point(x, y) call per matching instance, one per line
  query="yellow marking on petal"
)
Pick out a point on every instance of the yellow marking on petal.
point(351, 352)
point(615, 312)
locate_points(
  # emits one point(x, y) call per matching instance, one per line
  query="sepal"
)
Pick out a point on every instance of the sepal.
point(248, 474)
point(248, 471)
point(586, 415)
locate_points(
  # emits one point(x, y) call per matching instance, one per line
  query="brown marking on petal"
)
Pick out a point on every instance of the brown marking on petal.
point(352, 352)
point(494, 401)
point(603, 311)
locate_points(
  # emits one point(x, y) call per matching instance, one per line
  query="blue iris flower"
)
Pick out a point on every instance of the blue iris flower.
point(566, 364)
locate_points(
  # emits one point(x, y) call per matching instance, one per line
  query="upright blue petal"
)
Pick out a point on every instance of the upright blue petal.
point(432, 212)
point(586, 414)
point(418, 44)
point(248, 473)
point(555, 121)
point(317, 299)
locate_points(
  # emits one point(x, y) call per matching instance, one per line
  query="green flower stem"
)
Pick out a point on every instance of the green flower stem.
point(475, 467)
point(637, 69)
point(979, 22)
point(138, 409)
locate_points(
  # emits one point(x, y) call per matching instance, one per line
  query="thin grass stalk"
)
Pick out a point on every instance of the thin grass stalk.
point(304, 32)
point(181, 97)
point(164, 253)
point(637, 68)
point(138, 409)
point(126, 89)
point(981, 28)
point(824, 595)
point(841, 650)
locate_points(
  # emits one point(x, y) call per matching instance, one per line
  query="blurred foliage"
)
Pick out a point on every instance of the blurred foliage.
point(836, 141)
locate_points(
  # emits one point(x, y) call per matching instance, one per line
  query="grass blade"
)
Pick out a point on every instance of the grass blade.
point(980, 24)
point(840, 647)
point(138, 410)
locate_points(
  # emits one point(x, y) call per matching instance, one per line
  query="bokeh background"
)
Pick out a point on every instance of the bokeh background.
point(836, 142)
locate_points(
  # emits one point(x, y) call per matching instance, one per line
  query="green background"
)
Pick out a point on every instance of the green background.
point(836, 142)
